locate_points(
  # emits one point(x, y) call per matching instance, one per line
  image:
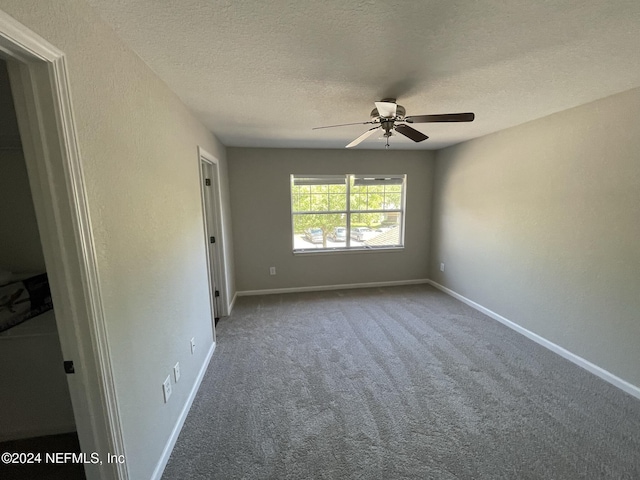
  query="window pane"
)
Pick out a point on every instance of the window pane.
point(319, 202)
point(385, 234)
point(358, 201)
point(371, 220)
point(310, 195)
point(319, 230)
point(367, 200)
point(337, 202)
point(376, 201)
point(393, 201)
point(370, 193)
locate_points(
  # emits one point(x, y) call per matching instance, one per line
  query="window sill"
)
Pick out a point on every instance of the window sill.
point(340, 251)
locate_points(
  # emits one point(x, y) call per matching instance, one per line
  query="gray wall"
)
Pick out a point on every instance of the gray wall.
point(541, 224)
point(261, 209)
point(138, 146)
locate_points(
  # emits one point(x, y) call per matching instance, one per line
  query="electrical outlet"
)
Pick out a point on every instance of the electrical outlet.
point(176, 372)
point(193, 345)
point(442, 267)
point(166, 389)
point(272, 270)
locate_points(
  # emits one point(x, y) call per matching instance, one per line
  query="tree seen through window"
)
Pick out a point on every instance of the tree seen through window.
point(347, 211)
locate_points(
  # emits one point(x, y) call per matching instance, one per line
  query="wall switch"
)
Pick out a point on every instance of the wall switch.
point(272, 270)
point(176, 372)
point(166, 389)
point(193, 345)
point(442, 267)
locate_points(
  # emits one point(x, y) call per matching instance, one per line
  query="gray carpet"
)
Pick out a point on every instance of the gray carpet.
point(396, 383)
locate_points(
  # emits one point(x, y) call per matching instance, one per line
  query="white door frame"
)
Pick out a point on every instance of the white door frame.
point(212, 204)
point(40, 86)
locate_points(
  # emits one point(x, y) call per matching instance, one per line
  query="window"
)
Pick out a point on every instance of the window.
point(347, 212)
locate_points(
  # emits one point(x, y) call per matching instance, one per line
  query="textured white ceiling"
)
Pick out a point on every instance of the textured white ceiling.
point(263, 73)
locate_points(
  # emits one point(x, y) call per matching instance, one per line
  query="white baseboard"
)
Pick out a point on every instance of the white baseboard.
point(572, 357)
point(166, 453)
point(320, 288)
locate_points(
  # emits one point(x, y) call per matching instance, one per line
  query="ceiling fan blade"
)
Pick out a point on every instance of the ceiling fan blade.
point(411, 133)
point(446, 117)
point(358, 140)
point(386, 109)
point(343, 125)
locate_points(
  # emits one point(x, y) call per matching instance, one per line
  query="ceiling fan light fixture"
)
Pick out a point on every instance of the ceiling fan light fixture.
point(399, 115)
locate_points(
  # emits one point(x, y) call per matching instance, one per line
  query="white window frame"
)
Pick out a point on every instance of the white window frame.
point(348, 213)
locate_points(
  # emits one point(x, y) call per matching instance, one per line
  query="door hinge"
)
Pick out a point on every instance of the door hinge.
point(217, 294)
point(212, 239)
point(68, 366)
point(207, 182)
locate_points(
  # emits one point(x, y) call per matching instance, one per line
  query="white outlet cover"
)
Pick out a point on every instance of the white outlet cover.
point(442, 267)
point(193, 346)
point(166, 388)
point(176, 372)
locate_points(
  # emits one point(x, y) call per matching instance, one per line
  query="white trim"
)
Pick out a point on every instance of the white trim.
point(320, 288)
point(220, 264)
point(572, 357)
point(346, 251)
point(40, 85)
point(171, 442)
point(20, 43)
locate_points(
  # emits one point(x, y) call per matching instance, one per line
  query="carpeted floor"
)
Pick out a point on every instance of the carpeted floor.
point(396, 383)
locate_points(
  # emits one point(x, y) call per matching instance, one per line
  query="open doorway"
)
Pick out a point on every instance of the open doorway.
point(214, 233)
point(37, 414)
point(38, 77)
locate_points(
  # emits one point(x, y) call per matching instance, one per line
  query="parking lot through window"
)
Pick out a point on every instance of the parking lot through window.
point(346, 212)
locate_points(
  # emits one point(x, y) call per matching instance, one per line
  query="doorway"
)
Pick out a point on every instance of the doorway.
point(214, 234)
point(39, 81)
point(37, 414)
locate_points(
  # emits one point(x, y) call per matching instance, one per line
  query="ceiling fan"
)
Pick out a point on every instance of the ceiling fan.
point(389, 116)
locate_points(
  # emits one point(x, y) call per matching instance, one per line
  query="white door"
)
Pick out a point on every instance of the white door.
point(209, 194)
